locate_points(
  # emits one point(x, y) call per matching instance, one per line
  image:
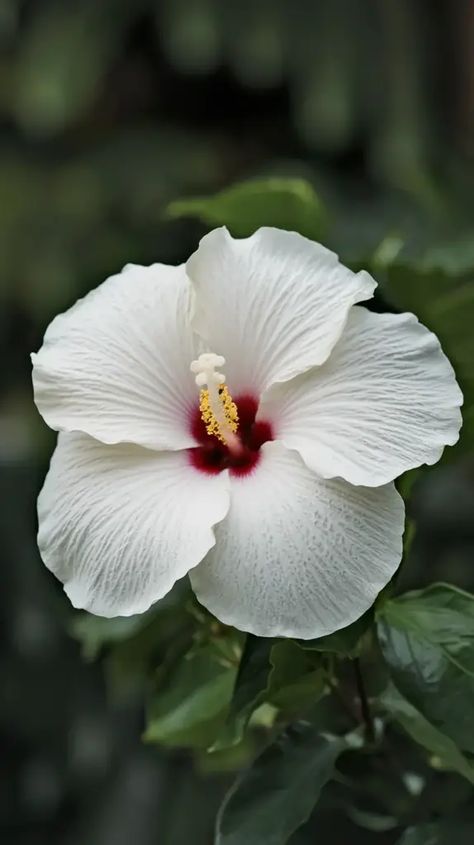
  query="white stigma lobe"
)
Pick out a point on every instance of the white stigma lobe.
point(205, 369)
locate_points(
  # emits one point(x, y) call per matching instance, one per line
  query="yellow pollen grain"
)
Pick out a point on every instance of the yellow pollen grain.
point(213, 427)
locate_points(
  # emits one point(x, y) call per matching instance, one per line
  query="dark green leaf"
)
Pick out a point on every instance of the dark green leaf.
point(286, 203)
point(249, 690)
point(446, 832)
point(423, 732)
point(277, 794)
point(427, 639)
point(233, 758)
point(95, 632)
point(297, 679)
point(191, 701)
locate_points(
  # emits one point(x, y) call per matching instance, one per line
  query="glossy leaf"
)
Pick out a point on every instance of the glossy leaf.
point(286, 203)
point(249, 690)
point(427, 639)
point(425, 734)
point(277, 794)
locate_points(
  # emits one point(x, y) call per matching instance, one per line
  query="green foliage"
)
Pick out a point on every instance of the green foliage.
point(277, 673)
point(249, 691)
point(133, 646)
point(190, 700)
point(96, 632)
point(448, 832)
point(52, 85)
point(427, 639)
point(297, 679)
point(444, 752)
point(277, 794)
point(286, 203)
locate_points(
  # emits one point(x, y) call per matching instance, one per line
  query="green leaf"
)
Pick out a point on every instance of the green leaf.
point(445, 832)
point(297, 679)
point(249, 690)
point(191, 701)
point(427, 639)
point(346, 642)
point(96, 632)
point(135, 645)
point(290, 204)
point(424, 733)
point(278, 793)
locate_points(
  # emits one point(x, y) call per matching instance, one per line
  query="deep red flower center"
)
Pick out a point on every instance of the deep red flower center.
point(212, 456)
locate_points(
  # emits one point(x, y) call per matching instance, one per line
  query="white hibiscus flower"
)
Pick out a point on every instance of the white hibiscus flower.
point(274, 491)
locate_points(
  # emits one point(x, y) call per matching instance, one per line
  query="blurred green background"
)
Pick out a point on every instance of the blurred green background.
point(110, 110)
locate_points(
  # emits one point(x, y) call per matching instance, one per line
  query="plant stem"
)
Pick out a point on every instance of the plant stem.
point(364, 702)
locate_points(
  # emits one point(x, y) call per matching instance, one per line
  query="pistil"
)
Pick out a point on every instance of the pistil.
point(218, 410)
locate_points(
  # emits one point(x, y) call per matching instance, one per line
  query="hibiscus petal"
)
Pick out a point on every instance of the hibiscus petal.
point(273, 304)
point(386, 401)
point(118, 525)
point(116, 365)
point(298, 556)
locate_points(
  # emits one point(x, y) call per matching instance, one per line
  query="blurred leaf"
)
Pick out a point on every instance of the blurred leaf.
point(446, 832)
point(134, 646)
point(453, 258)
point(424, 733)
point(290, 204)
point(65, 54)
point(189, 34)
point(346, 642)
point(95, 632)
point(297, 679)
point(162, 620)
point(249, 690)
point(427, 639)
point(278, 793)
point(190, 702)
point(255, 43)
point(232, 759)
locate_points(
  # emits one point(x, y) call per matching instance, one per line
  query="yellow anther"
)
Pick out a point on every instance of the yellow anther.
point(218, 425)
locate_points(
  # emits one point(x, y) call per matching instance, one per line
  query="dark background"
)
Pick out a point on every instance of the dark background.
point(109, 109)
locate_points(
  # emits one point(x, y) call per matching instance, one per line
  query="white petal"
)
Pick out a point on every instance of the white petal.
point(116, 365)
point(386, 401)
point(273, 304)
point(118, 525)
point(298, 556)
